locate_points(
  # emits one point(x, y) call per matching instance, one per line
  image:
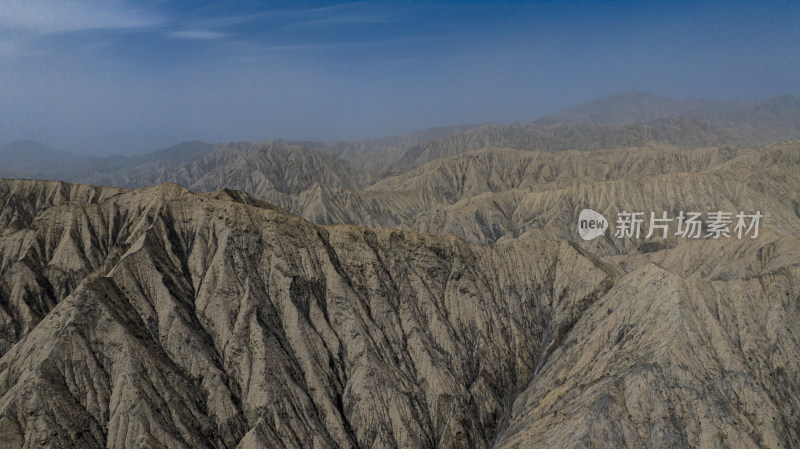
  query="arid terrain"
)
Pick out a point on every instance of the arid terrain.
point(422, 291)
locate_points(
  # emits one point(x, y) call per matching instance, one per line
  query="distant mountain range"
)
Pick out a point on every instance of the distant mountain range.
point(630, 107)
point(483, 183)
point(629, 119)
point(29, 158)
point(159, 317)
point(416, 181)
point(426, 291)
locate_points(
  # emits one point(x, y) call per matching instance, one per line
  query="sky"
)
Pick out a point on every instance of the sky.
point(124, 77)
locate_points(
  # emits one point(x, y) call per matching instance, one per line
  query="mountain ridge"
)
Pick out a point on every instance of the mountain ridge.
point(628, 119)
point(160, 317)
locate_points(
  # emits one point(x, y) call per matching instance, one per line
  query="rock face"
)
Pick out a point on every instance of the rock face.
point(162, 318)
point(497, 194)
point(158, 317)
point(660, 361)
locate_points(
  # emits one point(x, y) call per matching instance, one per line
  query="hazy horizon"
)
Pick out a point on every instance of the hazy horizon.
point(122, 77)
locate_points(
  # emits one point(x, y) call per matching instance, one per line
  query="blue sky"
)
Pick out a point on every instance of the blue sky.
point(123, 77)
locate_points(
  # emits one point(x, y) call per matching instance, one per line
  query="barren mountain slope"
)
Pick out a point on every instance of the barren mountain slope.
point(377, 154)
point(497, 193)
point(500, 169)
point(500, 194)
point(162, 318)
point(661, 361)
point(762, 181)
point(268, 166)
point(443, 182)
point(158, 317)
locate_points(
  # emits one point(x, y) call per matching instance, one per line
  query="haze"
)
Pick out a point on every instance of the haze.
point(128, 77)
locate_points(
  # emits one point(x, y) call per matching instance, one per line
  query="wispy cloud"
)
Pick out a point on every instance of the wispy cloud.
point(407, 40)
point(344, 20)
point(45, 17)
point(330, 8)
point(198, 34)
point(234, 20)
point(338, 14)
